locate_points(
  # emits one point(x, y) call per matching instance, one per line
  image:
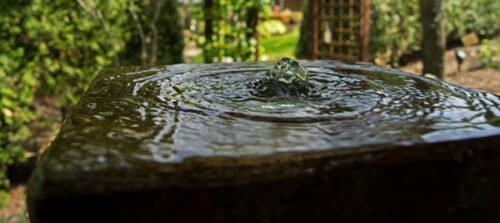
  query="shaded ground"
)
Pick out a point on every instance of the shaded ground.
point(43, 131)
point(484, 79)
point(15, 210)
point(45, 127)
point(472, 74)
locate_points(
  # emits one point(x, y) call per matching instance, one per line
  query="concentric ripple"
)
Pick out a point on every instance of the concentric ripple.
point(171, 113)
point(227, 93)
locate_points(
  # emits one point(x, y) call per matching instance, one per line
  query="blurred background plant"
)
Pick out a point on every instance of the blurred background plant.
point(395, 30)
point(489, 53)
point(226, 30)
point(153, 34)
point(54, 48)
point(480, 16)
point(48, 50)
point(272, 27)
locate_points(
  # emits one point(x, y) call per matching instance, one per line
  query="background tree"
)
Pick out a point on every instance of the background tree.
point(229, 30)
point(434, 37)
point(156, 33)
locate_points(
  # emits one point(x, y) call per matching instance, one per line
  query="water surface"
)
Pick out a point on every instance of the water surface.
point(131, 116)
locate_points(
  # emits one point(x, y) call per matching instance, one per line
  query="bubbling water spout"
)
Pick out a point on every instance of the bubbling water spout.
point(287, 78)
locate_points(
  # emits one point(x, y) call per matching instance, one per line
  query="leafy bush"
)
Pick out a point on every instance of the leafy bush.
point(480, 16)
point(395, 29)
point(55, 47)
point(50, 47)
point(271, 27)
point(232, 37)
point(489, 53)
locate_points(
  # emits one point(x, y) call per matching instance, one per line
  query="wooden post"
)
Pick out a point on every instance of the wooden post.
point(434, 37)
point(304, 44)
point(365, 30)
point(252, 22)
point(313, 4)
point(208, 15)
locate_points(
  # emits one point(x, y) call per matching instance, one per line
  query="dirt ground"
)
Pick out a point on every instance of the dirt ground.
point(43, 132)
point(471, 75)
point(16, 206)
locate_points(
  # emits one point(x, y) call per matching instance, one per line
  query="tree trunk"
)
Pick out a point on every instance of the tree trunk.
point(207, 11)
point(304, 45)
point(434, 37)
point(252, 22)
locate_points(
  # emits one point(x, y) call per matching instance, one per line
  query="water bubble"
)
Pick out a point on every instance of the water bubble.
point(92, 105)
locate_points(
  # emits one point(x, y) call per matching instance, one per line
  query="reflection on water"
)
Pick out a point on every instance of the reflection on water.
point(166, 114)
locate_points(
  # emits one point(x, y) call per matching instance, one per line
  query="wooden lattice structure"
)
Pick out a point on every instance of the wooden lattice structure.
point(339, 29)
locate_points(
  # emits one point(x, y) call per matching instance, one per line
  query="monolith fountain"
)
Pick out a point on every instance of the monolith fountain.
point(309, 141)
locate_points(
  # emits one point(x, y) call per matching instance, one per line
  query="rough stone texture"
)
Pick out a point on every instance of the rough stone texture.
point(94, 173)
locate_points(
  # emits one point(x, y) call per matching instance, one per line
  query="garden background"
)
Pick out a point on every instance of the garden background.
point(51, 50)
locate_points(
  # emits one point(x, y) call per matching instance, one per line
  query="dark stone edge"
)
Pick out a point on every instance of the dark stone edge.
point(231, 171)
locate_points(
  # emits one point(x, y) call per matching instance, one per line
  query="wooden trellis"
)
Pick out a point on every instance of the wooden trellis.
point(339, 29)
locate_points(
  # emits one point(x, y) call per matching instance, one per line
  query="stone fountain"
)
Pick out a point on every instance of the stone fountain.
point(317, 141)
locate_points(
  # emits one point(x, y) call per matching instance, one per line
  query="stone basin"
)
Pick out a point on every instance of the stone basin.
point(190, 143)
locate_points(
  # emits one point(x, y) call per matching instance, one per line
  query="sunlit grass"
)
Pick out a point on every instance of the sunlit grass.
point(276, 47)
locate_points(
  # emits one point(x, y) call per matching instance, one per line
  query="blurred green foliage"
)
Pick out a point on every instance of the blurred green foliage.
point(271, 27)
point(480, 16)
point(489, 53)
point(232, 38)
point(396, 29)
point(156, 33)
point(56, 47)
point(49, 47)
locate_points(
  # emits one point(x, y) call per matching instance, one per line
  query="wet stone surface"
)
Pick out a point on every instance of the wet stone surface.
point(167, 114)
point(188, 126)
